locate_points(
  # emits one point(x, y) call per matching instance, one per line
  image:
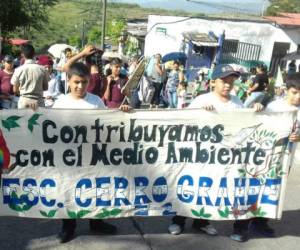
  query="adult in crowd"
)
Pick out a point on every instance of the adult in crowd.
point(256, 92)
point(292, 68)
point(157, 77)
point(6, 90)
point(30, 80)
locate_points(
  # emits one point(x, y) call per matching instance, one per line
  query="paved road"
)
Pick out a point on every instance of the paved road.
point(151, 233)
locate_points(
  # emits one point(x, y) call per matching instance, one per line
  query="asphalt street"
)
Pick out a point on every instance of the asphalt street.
point(151, 233)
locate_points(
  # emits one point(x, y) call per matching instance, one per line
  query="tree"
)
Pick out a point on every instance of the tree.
point(94, 35)
point(115, 28)
point(276, 6)
point(24, 13)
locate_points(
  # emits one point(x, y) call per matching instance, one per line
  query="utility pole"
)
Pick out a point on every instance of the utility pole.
point(83, 33)
point(263, 8)
point(103, 24)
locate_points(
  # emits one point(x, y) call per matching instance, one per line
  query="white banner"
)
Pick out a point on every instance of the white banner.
point(106, 163)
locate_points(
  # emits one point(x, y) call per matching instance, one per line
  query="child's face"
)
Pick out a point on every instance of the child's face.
point(293, 96)
point(222, 87)
point(78, 86)
point(116, 69)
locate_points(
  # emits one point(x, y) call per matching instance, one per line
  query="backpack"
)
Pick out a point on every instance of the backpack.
point(146, 90)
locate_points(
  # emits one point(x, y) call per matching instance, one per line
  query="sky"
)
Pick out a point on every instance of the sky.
point(205, 6)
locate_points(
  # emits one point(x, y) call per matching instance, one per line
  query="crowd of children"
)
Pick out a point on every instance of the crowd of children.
point(89, 91)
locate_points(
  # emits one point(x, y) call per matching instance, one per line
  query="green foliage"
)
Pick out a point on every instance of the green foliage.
point(65, 21)
point(114, 29)
point(75, 41)
point(24, 13)
point(277, 6)
point(94, 35)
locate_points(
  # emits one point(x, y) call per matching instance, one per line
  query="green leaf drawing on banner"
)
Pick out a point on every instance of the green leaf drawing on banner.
point(201, 213)
point(22, 205)
point(115, 212)
point(262, 214)
point(100, 216)
point(15, 207)
point(82, 213)
point(33, 121)
point(11, 122)
point(72, 214)
point(43, 213)
point(26, 207)
point(106, 213)
point(224, 213)
point(206, 216)
point(258, 212)
point(195, 213)
point(50, 214)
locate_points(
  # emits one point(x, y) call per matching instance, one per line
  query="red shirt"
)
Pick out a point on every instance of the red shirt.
point(5, 86)
point(96, 85)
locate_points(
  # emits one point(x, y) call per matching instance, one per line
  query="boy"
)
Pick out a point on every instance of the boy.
point(290, 102)
point(78, 98)
point(219, 99)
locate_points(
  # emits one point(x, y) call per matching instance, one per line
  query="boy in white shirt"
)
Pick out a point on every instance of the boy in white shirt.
point(290, 102)
point(78, 79)
point(219, 99)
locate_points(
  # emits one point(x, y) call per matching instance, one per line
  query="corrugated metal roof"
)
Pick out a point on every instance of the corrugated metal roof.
point(201, 39)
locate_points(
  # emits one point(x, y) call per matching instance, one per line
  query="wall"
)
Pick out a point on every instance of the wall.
point(264, 34)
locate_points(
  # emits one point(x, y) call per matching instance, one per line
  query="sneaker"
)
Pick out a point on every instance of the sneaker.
point(175, 229)
point(66, 236)
point(263, 229)
point(239, 235)
point(99, 226)
point(208, 229)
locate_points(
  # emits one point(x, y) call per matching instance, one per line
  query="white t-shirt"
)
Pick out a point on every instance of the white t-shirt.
point(212, 99)
point(282, 105)
point(90, 101)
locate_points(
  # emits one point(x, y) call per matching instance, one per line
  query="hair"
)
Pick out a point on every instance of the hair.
point(116, 61)
point(293, 81)
point(176, 62)
point(262, 67)
point(28, 51)
point(78, 69)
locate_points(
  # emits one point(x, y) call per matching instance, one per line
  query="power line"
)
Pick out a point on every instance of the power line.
point(218, 5)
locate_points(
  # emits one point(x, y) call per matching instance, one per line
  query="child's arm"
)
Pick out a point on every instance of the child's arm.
point(294, 137)
point(87, 51)
point(107, 93)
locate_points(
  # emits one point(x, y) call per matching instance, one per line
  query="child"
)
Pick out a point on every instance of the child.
point(174, 77)
point(290, 102)
point(78, 79)
point(115, 81)
point(181, 94)
point(220, 99)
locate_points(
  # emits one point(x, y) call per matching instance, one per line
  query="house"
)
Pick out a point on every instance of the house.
point(235, 40)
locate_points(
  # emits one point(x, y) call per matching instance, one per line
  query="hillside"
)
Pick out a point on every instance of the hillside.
point(66, 19)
